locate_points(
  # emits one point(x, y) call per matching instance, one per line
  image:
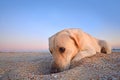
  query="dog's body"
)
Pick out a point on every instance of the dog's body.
point(71, 45)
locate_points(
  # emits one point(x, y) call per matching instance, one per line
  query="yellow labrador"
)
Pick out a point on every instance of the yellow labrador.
point(71, 45)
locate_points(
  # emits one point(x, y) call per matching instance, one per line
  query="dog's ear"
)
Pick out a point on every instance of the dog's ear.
point(51, 42)
point(75, 36)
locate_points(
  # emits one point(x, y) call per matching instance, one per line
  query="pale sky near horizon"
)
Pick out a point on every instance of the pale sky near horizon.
point(27, 24)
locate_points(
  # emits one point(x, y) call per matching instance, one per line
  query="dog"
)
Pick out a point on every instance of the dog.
point(71, 45)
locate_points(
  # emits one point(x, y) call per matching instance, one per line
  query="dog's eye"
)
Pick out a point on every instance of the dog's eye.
point(62, 49)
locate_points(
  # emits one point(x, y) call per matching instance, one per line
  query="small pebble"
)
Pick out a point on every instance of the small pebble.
point(55, 76)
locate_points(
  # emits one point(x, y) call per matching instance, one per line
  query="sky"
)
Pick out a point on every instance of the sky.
point(26, 25)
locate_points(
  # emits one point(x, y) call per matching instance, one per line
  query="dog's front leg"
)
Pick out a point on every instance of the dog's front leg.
point(83, 54)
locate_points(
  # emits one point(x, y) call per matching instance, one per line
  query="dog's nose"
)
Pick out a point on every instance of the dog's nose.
point(55, 70)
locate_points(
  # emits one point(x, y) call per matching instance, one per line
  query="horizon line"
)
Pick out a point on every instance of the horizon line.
point(45, 50)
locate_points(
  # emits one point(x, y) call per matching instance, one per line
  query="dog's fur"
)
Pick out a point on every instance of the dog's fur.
point(71, 45)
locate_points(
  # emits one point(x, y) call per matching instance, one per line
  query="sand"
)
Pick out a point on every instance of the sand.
point(36, 66)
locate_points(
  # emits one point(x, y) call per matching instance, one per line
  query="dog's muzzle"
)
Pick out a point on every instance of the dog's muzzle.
point(55, 68)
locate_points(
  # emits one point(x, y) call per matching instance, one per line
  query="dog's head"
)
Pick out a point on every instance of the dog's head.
point(63, 46)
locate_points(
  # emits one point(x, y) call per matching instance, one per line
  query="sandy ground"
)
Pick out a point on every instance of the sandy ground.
point(36, 66)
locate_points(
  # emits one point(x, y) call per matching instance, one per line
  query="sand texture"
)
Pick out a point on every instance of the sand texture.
point(36, 66)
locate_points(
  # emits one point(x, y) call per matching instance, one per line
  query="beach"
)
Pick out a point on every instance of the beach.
point(36, 66)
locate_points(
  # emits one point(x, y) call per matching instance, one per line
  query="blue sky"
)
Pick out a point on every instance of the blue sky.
point(27, 24)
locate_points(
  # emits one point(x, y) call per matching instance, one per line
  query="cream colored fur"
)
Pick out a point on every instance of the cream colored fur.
point(77, 44)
